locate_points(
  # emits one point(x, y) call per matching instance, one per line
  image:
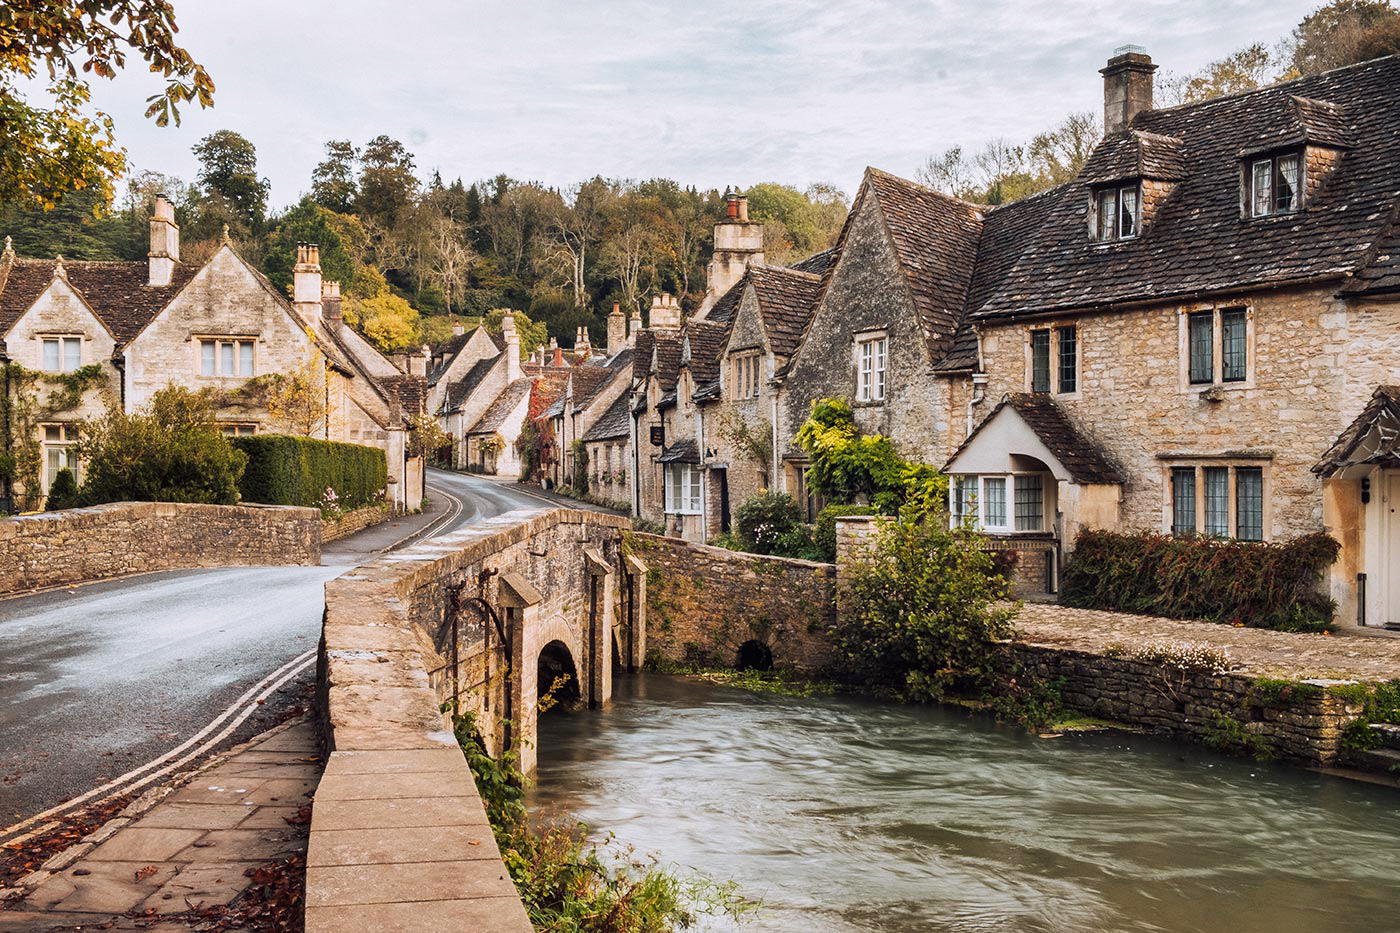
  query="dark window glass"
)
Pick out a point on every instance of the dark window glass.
point(1040, 361)
point(1249, 503)
point(1030, 503)
point(1127, 213)
point(1217, 500)
point(1069, 358)
point(1201, 326)
point(1183, 500)
point(1286, 184)
point(1233, 345)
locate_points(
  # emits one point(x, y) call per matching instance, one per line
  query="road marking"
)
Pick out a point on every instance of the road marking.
point(458, 506)
point(231, 718)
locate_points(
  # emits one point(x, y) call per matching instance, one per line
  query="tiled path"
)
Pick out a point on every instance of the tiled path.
point(1258, 651)
point(190, 851)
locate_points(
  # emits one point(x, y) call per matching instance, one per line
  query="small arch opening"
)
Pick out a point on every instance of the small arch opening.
point(557, 677)
point(754, 655)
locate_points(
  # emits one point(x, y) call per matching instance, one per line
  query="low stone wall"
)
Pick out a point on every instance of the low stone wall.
point(353, 521)
point(704, 602)
point(79, 545)
point(399, 836)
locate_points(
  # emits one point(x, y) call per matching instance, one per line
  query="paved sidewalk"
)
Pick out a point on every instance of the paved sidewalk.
point(1258, 651)
point(194, 849)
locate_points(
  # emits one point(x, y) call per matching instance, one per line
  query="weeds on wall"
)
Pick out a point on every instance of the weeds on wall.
point(1260, 585)
point(569, 885)
point(1379, 703)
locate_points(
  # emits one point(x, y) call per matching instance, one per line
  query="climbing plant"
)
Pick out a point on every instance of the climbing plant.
point(752, 439)
point(33, 399)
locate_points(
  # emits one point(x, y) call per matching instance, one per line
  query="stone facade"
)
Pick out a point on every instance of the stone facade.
point(81, 545)
point(704, 603)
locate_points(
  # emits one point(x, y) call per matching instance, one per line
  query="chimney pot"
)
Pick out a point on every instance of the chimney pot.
point(1127, 87)
point(743, 209)
point(731, 206)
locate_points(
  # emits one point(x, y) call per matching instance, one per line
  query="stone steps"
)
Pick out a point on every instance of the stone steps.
point(1389, 733)
point(1382, 760)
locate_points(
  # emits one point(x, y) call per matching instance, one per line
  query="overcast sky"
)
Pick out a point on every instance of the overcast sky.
point(709, 93)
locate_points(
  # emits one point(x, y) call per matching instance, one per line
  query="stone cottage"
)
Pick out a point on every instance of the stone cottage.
point(92, 335)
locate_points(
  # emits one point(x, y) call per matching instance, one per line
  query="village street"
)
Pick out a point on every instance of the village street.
point(124, 678)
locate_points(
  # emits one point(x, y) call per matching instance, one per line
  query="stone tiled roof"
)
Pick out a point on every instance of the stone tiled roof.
point(459, 391)
point(642, 351)
point(498, 411)
point(786, 299)
point(615, 422)
point(817, 263)
point(1373, 438)
point(682, 451)
point(1135, 154)
point(935, 241)
point(548, 388)
point(116, 291)
point(1197, 242)
point(668, 361)
point(1382, 273)
point(588, 382)
point(449, 348)
point(706, 341)
point(410, 392)
point(1086, 461)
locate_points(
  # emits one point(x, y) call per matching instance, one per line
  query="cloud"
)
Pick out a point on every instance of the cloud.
point(709, 94)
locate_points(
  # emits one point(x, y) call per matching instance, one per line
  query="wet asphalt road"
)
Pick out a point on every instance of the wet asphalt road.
point(102, 678)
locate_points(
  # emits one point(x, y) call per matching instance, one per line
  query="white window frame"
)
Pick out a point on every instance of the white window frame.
point(981, 500)
point(1273, 174)
point(237, 350)
point(64, 444)
point(68, 352)
point(872, 357)
point(683, 490)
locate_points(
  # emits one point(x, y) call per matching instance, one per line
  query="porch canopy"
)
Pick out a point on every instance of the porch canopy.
point(1372, 440)
point(1028, 433)
point(682, 451)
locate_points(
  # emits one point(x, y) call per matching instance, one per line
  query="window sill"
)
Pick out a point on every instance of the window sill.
point(1198, 388)
point(868, 403)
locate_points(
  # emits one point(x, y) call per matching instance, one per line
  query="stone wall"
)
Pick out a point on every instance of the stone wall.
point(80, 545)
point(704, 602)
point(353, 521)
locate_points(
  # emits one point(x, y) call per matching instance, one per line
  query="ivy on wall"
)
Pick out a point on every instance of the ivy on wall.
point(33, 399)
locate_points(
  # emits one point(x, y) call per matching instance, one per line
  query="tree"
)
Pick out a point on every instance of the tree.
point(850, 467)
point(950, 173)
point(333, 179)
point(1344, 32)
point(1247, 69)
point(229, 172)
point(449, 258)
point(173, 451)
point(308, 222)
point(793, 228)
point(388, 321)
point(1057, 155)
point(573, 230)
point(387, 183)
point(47, 151)
point(297, 400)
point(631, 245)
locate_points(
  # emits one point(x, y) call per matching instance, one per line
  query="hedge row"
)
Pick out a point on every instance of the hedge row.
point(286, 470)
point(1275, 586)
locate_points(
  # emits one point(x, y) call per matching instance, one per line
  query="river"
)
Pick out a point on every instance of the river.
point(843, 815)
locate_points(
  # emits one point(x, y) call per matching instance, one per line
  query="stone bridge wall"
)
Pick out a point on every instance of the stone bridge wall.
point(399, 790)
point(79, 545)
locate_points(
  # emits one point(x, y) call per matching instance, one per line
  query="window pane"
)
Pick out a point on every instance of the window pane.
point(1201, 332)
point(1233, 345)
point(694, 503)
point(245, 358)
point(1030, 503)
point(994, 502)
point(1183, 500)
point(1217, 500)
point(206, 357)
point(1106, 215)
point(1249, 503)
point(1263, 187)
point(1040, 361)
point(881, 346)
point(1286, 196)
point(51, 356)
point(72, 353)
point(866, 366)
point(1127, 213)
point(226, 359)
point(1069, 358)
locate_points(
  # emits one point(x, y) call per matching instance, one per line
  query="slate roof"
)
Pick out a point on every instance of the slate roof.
point(1198, 242)
point(1135, 154)
point(786, 299)
point(1382, 273)
point(588, 382)
point(459, 391)
point(410, 392)
point(668, 361)
point(498, 411)
point(817, 263)
point(615, 422)
point(1086, 461)
point(682, 451)
point(1373, 438)
point(116, 291)
point(706, 341)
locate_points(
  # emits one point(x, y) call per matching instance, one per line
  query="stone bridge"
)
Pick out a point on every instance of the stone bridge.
point(398, 831)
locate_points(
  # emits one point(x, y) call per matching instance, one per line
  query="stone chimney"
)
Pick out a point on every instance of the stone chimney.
point(738, 245)
point(512, 338)
point(617, 330)
point(665, 313)
point(582, 345)
point(556, 353)
point(165, 243)
point(306, 283)
point(418, 361)
point(330, 302)
point(1127, 87)
point(634, 327)
point(458, 328)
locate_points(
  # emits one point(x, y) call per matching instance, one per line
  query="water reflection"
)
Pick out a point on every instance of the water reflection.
point(844, 816)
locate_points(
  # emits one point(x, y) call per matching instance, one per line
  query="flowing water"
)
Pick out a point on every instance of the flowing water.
point(843, 815)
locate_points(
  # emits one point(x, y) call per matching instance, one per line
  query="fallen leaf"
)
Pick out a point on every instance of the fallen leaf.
point(145, 873)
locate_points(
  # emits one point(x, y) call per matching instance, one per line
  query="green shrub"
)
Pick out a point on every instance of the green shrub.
point(63, 494)
point(580, 450)
point(1275, 586)
point(824, 537)
point(917, 612)
point(288, 470)
point(763, 521)
point(171, 452)
point(647, 526)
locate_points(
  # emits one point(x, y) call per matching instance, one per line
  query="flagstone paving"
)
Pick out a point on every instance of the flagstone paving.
point(1347, 656)
point(193, 850)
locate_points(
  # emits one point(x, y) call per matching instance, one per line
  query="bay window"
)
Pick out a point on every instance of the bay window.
point(982, 502)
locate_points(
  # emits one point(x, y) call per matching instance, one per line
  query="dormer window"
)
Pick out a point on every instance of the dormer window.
point(1275, 185)
point(1117, 213)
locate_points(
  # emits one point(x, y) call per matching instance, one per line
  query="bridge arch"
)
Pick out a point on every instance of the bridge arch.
point(556, 665)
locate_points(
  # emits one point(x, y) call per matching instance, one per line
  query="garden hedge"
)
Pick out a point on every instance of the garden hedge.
point(287, 470)
point(1274, 585)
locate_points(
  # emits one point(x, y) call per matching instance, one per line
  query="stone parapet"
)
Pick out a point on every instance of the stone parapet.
point(81, 545)
point(353, 521)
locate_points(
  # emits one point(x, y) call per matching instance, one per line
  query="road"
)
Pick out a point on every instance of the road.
point(100, 680)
